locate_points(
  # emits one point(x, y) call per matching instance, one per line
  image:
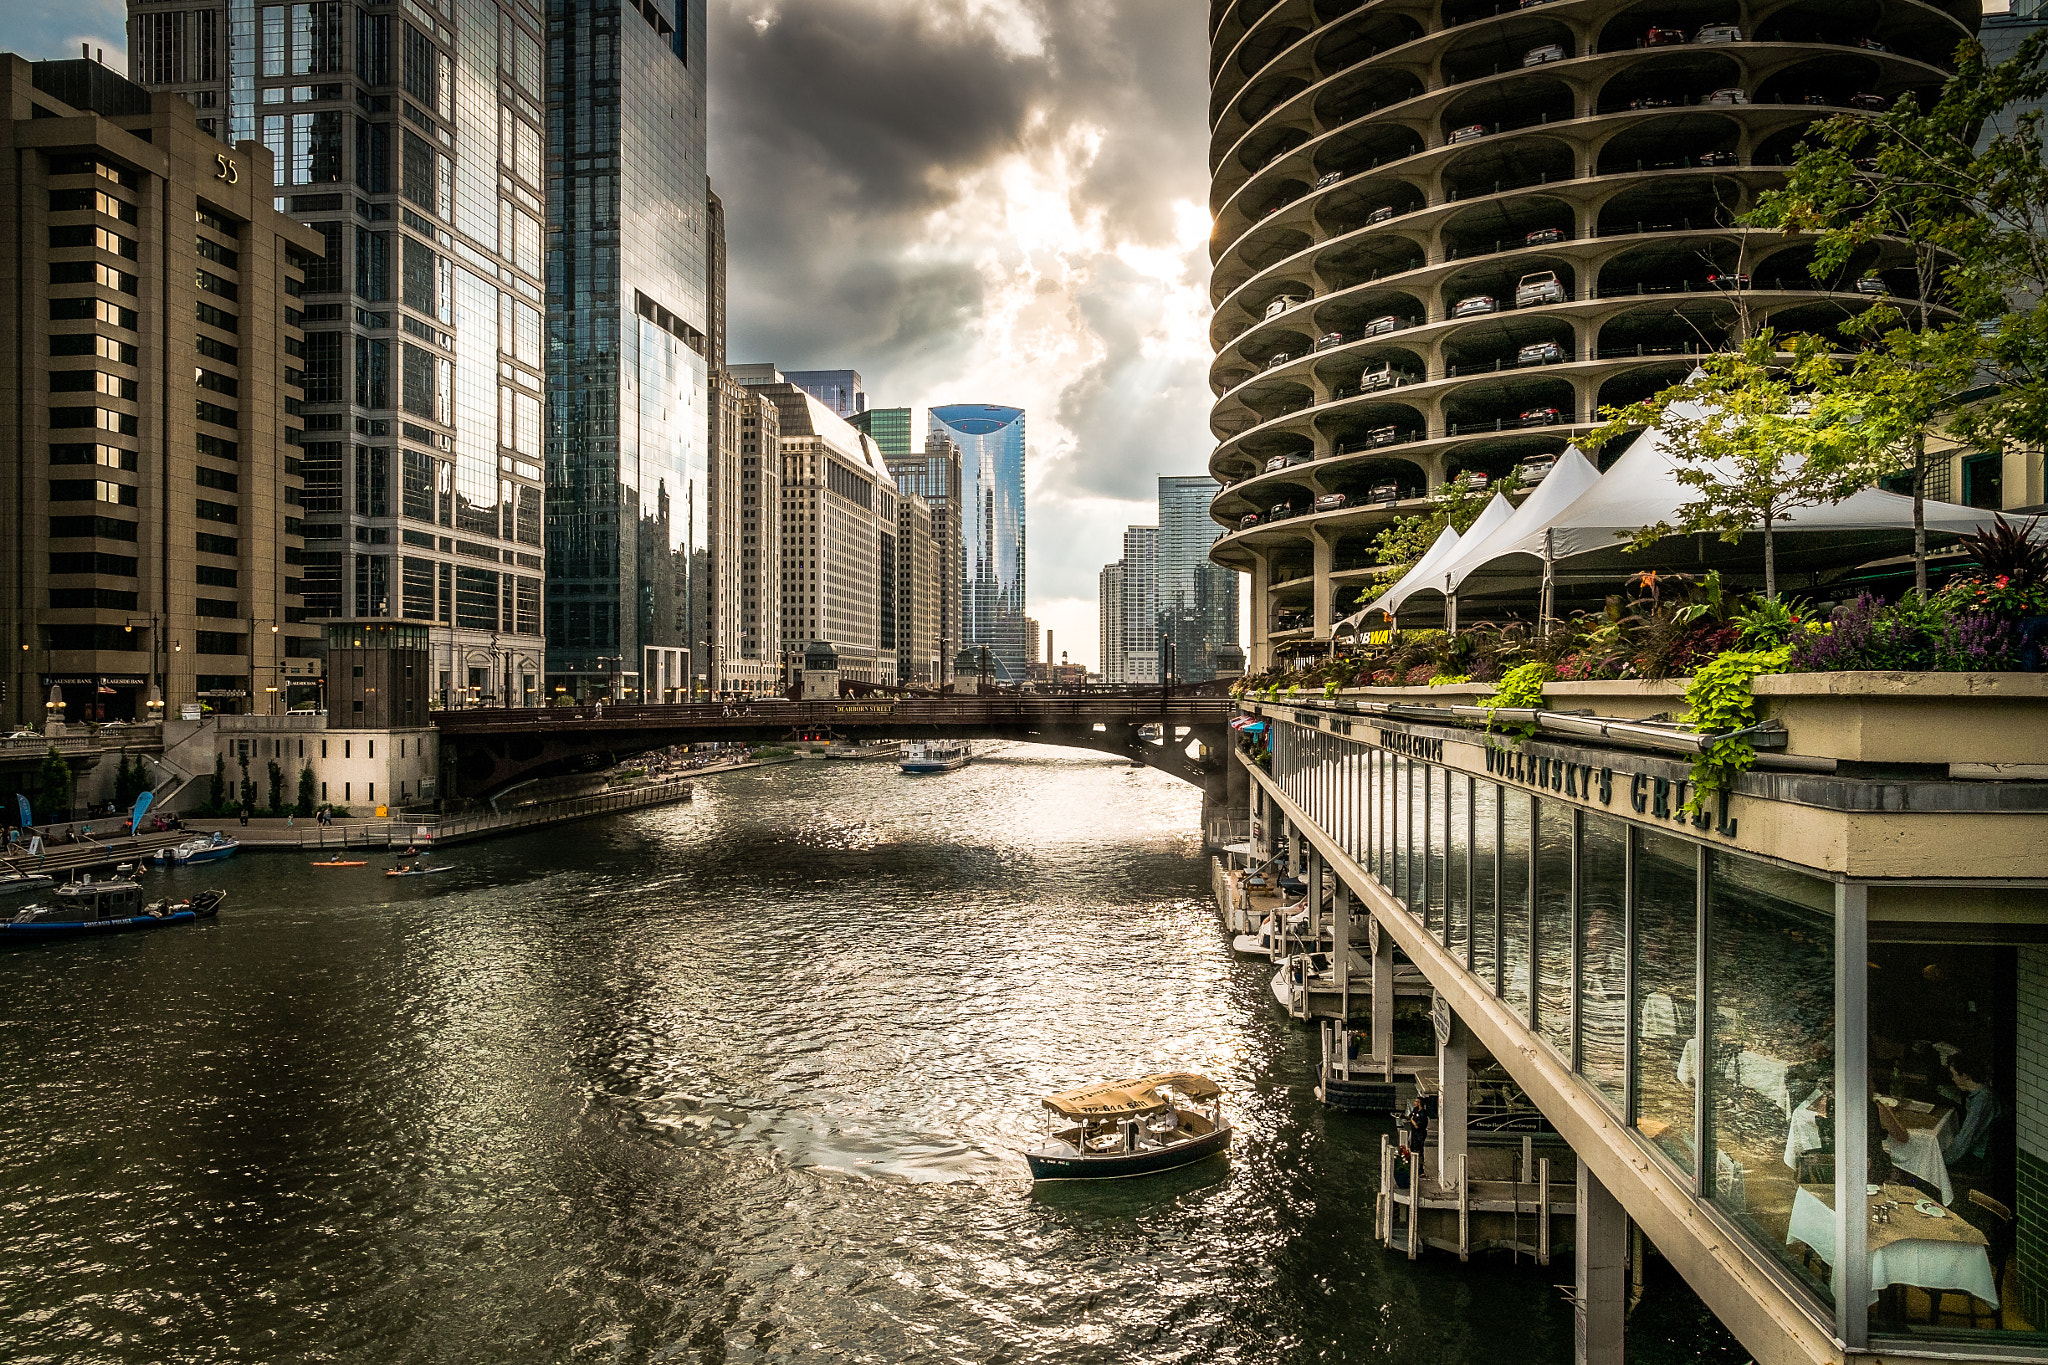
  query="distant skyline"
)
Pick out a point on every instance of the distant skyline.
point(973, 201)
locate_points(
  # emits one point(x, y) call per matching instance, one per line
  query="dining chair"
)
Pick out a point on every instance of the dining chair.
point(1995, 1221)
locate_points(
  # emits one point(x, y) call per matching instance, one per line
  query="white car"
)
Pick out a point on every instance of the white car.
point(1475, 305)
point(1549, 52)
point(1728, 94)
point(1282, 304)
point(1718, 33)
point(1542, 286)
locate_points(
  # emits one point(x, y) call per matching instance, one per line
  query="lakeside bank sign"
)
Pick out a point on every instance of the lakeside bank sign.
point(1648, 794)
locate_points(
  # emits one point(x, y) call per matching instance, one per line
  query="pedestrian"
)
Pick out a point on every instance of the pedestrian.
point(1418, 1134)
point(245, 817)
point(289, 823)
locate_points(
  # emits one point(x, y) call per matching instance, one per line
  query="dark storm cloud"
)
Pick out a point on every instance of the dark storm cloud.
point(838, 124)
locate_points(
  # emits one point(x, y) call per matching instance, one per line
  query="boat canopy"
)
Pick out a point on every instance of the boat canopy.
point(1116, 1099)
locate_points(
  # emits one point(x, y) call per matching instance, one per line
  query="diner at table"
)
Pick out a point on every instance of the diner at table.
point(1912, 1240)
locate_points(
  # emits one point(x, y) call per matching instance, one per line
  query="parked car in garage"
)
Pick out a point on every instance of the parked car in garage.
point(1541, 417)
point(1282, 304)
point(1379, 215)
point(1384, 493)
point(1329, 339)
point(1532, 472)
point(1718, 33)
point(1384, 377)
point(1540, 353)
point(1280, 462)
point(1382, 436)
point(1538, 287)
point(1281, 359)
point(1727, 279)
point(1718, 158)
point(1467, 133)
point(1247, 521)
point(1328, 178)
point(1380, 326)
point(1863, 99)
point(1544, 237)
point(1549, 52)
point(1474, 305)
point(1727, 94)
point(1663, 37)
point(1330, 502)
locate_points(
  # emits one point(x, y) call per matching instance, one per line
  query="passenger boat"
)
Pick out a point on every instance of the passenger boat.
point(934, 755)
point(1137, 1127)
point(78, 909)
point(207, 849)
point(24, 883)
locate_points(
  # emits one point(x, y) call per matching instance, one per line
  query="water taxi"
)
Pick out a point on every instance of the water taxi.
point(934, 755)
point(80, 909)
point(1137, 1127)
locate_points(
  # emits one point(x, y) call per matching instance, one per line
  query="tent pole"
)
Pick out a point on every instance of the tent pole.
point(1549, 583)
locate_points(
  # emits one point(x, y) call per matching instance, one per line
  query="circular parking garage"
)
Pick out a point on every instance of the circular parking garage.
point(1447, 234)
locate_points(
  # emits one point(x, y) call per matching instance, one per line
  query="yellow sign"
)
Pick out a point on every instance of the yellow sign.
point(383, 811)
point(864, 708)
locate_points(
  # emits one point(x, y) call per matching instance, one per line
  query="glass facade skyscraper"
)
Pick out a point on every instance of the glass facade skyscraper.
point(1197, 598)
point(991, 444)
point(889, 426)
point(411, 140)
point(627, 458)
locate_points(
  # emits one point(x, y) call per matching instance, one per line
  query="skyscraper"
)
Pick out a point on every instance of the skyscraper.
point(1109, 598)
point(628, 315)
point(934, 475)
point(1141, 604)
point(1197, 597)
point(150, 431)
point(412, 143)
point(838, 390)
point(889, 426)
point(992, 453)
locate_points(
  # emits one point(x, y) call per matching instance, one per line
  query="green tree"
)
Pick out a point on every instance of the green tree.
point(217, 790)
point(306, 790)
point(124, 782)
point(1974, 225)
point(246, 794)
point(54, 786)
point(276, 776)
point(1748, 443)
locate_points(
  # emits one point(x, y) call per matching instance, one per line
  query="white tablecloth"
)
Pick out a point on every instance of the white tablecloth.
point(1920, 1153)
point(1660, 1016)
point(1927, 1265)
point(1765, 1075)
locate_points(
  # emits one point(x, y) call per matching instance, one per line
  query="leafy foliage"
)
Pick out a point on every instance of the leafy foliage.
point(304, 808)
point(1719, 700)
point(1522, 686)
point(53, 786)
point(1747, 441)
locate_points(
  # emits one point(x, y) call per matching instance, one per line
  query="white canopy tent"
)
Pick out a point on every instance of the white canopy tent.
point(1588, 538)
point(1567, 481)
point(1445, 544)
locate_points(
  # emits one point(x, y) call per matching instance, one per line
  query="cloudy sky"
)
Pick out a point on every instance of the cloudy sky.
point(989, 201)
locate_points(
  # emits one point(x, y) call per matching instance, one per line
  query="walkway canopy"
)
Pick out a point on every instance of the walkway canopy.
point(1440, 550)
point(1568, 480)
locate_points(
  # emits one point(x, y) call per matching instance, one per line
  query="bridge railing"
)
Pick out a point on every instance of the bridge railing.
point(998, 709)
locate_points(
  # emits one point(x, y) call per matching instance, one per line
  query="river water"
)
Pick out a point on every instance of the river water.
point(741, 1080)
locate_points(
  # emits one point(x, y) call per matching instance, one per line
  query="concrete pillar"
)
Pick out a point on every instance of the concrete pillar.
point(1315, 897)
point(1383, 998)
point(1600, 1299)
point(1294, 844)
point(1261, 592)
point(1325, 543)
point(1340, 932)
point(1452, 1069)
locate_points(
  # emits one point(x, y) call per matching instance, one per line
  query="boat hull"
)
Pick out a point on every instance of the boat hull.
point(932, 765)
point(1122, 1165)
point(41, 933)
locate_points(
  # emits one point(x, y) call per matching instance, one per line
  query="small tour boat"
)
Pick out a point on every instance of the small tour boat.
point(209, 849)
point(934, 755)
point(78, 909)
point(1136, 1127)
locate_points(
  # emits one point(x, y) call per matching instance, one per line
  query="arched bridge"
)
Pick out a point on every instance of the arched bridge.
point(486, 750)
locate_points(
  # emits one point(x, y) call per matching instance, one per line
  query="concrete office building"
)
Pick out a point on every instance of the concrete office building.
point(1443, 239)
point(1197, 596)
point(628, 399)
point(1140, 604)
point(889, 426)
point(1109, 616)
point(412, 143)
point(757, 666)
point(919, 556)
point(992, 453)
point(934, 475)
point(153, 363)
point(835, 491)
point(838, 390)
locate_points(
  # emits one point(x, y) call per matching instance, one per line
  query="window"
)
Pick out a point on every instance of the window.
point(216, 511)
point(216, 608)
point(214, 413)
point(214, 251)
point(91, 562)
point(215, 382)
point(91, 343)
point(113, 457)
point(325, 381)
point(92, 490)
point(217, 478)
point(214, 317)
point(218, 642)
point(213, 576)
point(373, 373)
point(218, 545)
point(105, 599)
point(211, 283)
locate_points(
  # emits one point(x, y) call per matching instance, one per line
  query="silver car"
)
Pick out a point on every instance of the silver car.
point(1474, 305)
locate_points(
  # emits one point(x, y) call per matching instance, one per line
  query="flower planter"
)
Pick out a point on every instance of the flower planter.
point(1950, 718)
point(1623, 699)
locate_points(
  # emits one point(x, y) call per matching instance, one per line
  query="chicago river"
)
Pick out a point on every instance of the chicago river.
point(739, 1080)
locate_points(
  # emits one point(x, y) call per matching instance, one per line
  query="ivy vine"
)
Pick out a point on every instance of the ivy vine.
point(1719, 700)
point(1521, 686)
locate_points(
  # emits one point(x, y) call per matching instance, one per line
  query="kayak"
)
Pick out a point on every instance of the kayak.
point(416, 871)
point(337, 862)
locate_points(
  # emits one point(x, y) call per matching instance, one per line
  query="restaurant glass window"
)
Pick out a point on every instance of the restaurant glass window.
point(1603, 952)
point(1666, 890)
point(1386, 819)
point(1486, 884)
point(1436, 783)
point(1769, 1042)
point(1554, 840)
point(1517, 818)
point(1458, 865)
point(1418, 838)
point(1958, 1034)
point(1373, 819)
point(1398, 809)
